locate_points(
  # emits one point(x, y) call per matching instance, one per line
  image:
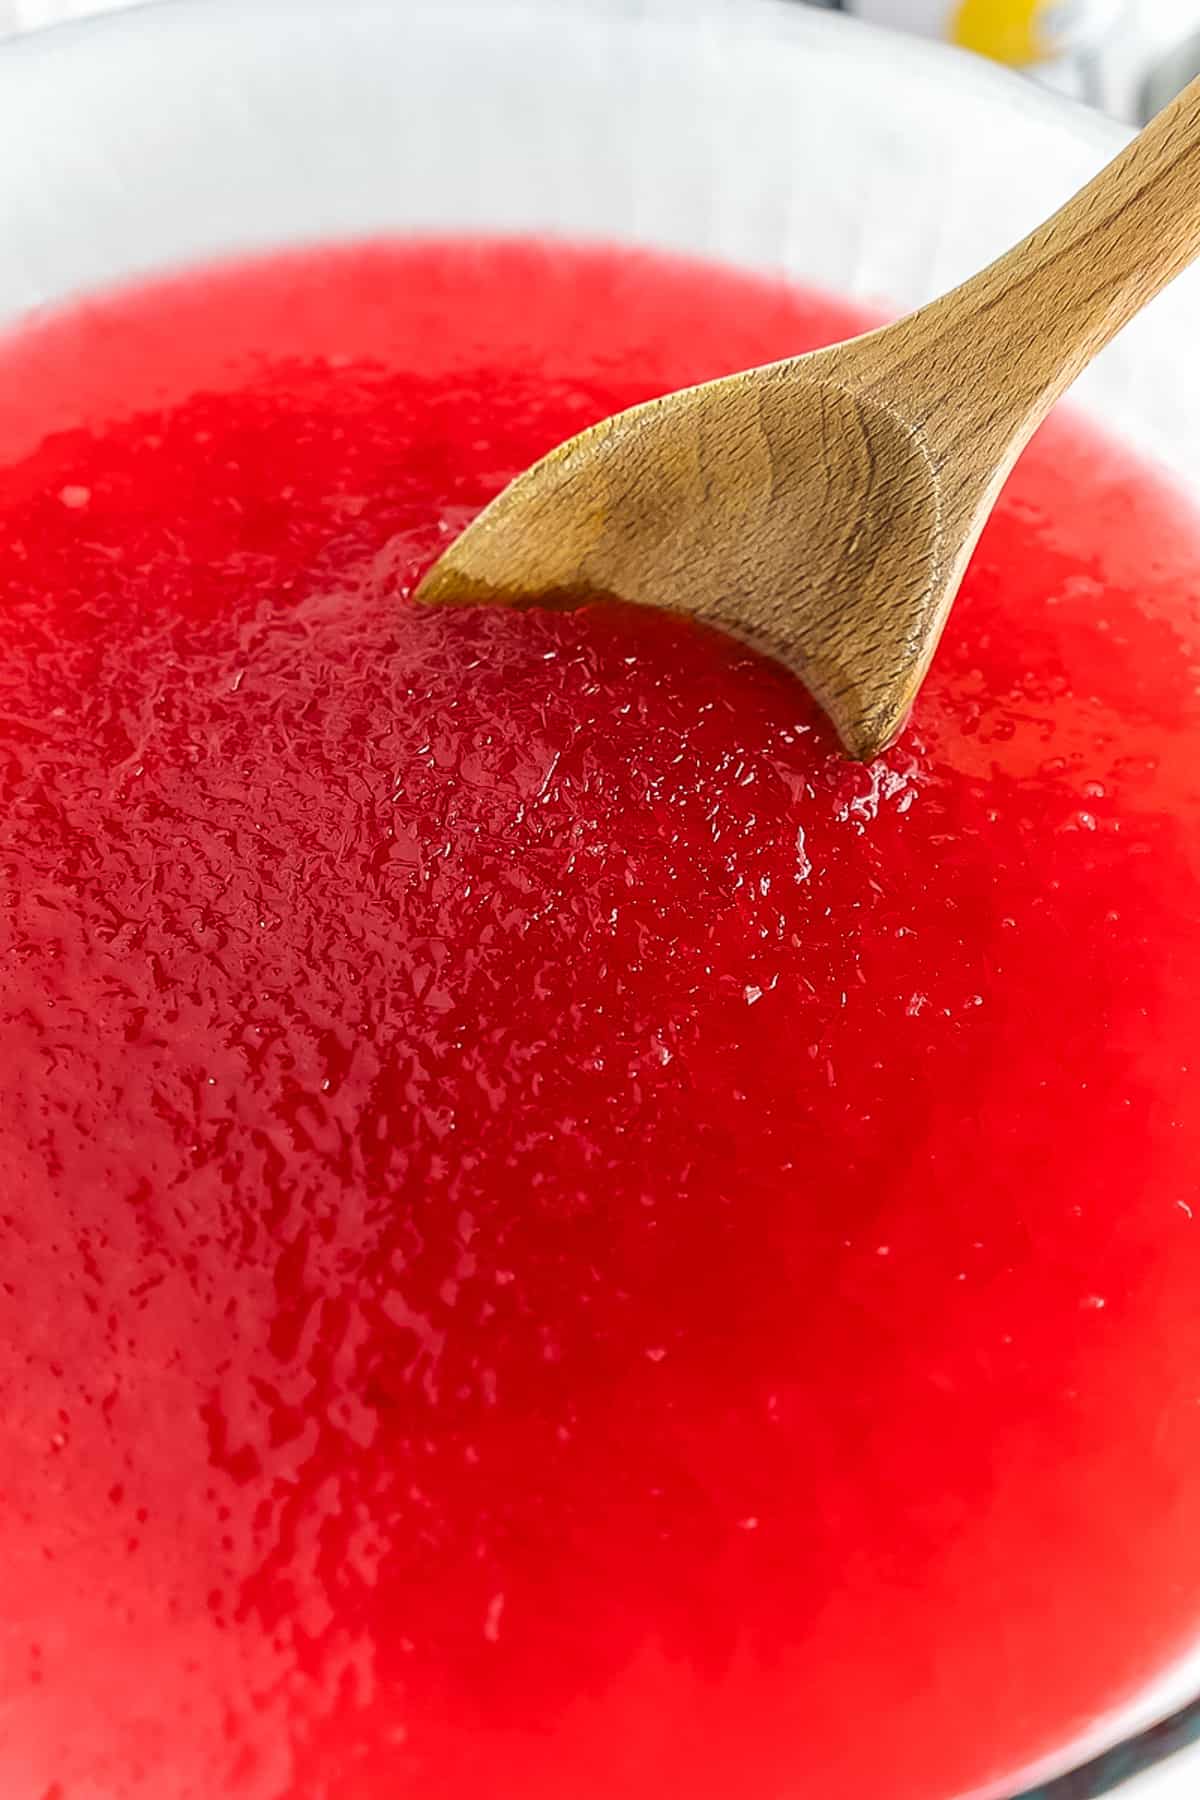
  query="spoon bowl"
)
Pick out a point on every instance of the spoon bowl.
point(613, 513)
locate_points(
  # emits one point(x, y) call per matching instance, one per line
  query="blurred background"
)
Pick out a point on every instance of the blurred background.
point(1127, 57)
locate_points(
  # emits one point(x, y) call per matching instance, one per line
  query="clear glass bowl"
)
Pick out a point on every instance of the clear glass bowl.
point(752, 130)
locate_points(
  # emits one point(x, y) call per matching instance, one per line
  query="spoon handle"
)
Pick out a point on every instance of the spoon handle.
point(978, 369)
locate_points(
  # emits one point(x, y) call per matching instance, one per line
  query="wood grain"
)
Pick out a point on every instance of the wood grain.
point(824, 508)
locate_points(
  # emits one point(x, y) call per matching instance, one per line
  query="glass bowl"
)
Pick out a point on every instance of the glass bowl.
point(755, 131)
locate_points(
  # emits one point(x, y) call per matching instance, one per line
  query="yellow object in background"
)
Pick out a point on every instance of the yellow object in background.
point(1019, 32)
point(1008, 30)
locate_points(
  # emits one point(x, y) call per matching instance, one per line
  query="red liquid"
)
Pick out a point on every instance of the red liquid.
point(560, 1240)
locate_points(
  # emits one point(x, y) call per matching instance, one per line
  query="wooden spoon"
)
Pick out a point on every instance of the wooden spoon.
point(824, 508)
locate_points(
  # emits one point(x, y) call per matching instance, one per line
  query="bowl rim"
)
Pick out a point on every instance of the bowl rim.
point(816, 24)
point(898, 51)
